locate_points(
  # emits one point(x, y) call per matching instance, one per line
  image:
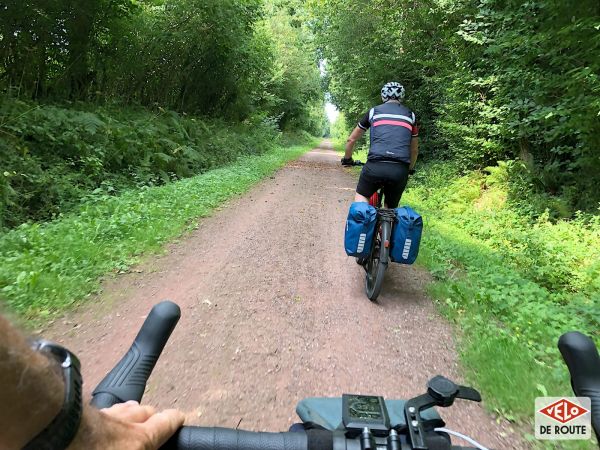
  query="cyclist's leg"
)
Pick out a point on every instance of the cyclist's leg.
point(360, 198)
point(396, 179)
point(368, 183)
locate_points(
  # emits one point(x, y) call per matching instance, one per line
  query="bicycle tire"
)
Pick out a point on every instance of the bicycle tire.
point(377, 263)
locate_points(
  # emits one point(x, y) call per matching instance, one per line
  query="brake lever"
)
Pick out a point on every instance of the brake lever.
point(445, 391)
point(468, 393)
point(440, 392)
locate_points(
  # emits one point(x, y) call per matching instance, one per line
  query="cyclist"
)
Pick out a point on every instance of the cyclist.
point(394, 147)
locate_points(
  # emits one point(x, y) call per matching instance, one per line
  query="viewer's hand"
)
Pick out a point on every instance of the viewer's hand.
point(128, 425)
point(143, 426)
point(347, 161)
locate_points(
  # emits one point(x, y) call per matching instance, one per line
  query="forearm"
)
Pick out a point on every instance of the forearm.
point(93, 432)
point(100, 431)
point(414, 151)
point(356, 134)
point(31, 384)
point(32, 394)
point(349, 148)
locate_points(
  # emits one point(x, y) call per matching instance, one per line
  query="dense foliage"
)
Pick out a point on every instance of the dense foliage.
point(513, 286)
point(52, 157)
point(490, 79)
point(220, 57)
point(126, 93)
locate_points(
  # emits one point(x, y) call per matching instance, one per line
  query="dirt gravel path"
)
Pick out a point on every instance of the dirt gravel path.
point(274, 311)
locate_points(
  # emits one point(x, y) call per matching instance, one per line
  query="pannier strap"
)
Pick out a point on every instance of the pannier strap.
point(387, 214)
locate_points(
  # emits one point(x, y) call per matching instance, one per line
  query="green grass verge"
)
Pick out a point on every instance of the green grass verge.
point(48, 267)
point(512, 284)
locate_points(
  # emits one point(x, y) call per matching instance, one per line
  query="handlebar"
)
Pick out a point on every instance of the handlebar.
point(198, 438)
point(582, 359)
point(351, 162)
point(127, 380)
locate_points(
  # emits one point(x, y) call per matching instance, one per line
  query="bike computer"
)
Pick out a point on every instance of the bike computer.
point(360, 411)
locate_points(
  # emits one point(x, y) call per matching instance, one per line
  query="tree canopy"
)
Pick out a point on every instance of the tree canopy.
point(103, 95)
point(231, 58)
point(490, 79)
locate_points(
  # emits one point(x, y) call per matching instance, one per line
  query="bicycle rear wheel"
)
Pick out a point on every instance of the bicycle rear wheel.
point(378, 261)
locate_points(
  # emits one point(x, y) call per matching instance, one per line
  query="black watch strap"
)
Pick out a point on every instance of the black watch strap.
point(62, 430)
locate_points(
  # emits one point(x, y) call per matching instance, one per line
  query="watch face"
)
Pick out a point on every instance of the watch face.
point(364, 407)
point(61, 431)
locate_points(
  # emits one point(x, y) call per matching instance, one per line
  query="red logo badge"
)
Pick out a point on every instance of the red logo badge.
point(563, 411)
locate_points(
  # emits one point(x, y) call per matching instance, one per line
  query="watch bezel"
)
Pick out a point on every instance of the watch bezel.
point(59, 434)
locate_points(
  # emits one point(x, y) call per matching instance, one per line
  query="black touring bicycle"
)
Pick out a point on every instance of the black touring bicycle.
point(386, 244)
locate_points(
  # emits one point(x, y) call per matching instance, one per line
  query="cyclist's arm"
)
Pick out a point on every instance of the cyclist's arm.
point(414, 151)
point(356, 134)
point(363, 125)
point(33, 386)
point(414, 143)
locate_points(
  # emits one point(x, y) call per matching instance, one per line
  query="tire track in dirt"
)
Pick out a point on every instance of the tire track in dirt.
point(273, 311)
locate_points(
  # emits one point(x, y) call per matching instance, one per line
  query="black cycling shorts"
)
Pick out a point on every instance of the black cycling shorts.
point(392, 176)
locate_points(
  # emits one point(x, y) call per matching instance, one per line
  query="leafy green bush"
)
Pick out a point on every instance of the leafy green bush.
point(53, 156)
point(237, 59)
point(489, 80)
point(340, 130)
point(509, 278)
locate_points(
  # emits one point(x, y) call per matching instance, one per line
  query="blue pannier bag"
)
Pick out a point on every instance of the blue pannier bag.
point(406, 235)
point(360, 227)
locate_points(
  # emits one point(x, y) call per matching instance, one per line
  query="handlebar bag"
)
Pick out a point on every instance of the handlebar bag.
point(406, 236)
point(360, 228)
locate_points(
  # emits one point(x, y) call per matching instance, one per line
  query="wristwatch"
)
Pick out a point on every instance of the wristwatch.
point(61, 431)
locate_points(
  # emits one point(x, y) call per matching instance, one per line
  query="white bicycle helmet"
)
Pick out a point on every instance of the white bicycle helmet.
point(392, 91)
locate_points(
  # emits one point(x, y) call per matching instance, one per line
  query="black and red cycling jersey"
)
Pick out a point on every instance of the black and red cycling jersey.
point(393, 125)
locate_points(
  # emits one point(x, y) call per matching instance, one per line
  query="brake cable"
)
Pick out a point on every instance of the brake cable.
point(462, 436)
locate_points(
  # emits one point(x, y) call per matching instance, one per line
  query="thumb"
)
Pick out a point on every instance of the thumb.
point(161, 426)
